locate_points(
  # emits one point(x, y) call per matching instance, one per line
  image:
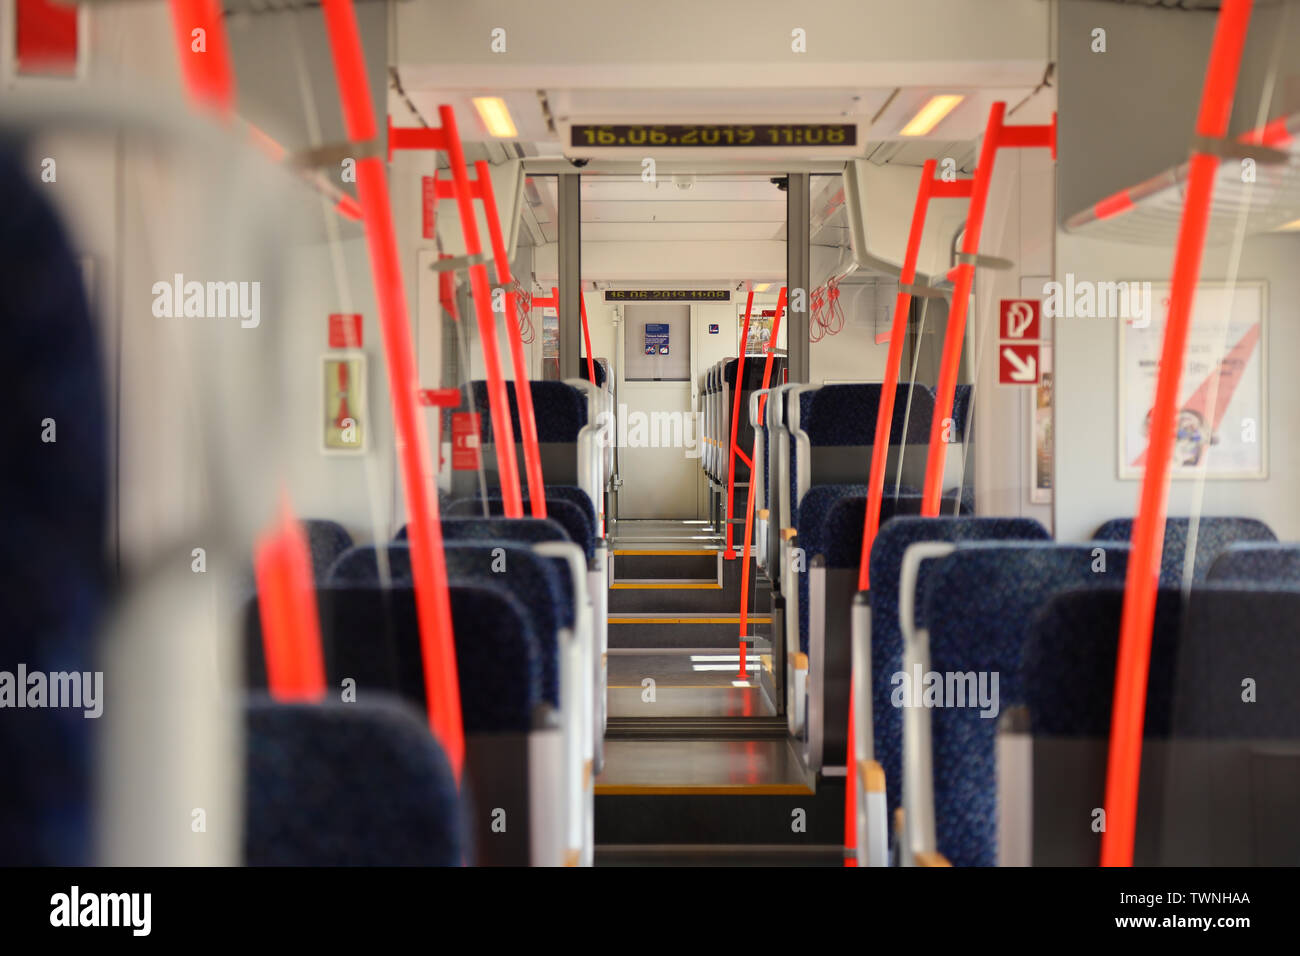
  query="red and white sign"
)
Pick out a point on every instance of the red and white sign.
point(428, 205)
point(345, 331)
point(1018, 364)
point(464, 441)
point(1020, 320)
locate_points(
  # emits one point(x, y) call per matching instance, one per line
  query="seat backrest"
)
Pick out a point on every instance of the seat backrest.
point(52, 554)
point(1069, 662)
point(357, 784)
point(559, 409)
point(541, 585)
point(979, 602)
point(326, 540)
point(372, 637)
point(893, 539)
point(577, 524)
point(1214, 534)
point(1257, 562)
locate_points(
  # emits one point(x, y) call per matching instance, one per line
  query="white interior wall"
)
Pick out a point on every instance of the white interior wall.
point(1111, 139)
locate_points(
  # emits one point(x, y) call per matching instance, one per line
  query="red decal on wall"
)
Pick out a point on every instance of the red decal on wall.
point(345, 331)
point(46, 38)
point(464, 441)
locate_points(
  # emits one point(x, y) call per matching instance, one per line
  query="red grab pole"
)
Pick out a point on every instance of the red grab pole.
point(586, 336)
point(932, 491)
point(1129, 706)
point(523, 388)
point(730, 553)
point(498, 398)
point(428, 565)
point(928, 189)
point(996, 136)
point(295, 666)
point(291, 641)
point(749, 505)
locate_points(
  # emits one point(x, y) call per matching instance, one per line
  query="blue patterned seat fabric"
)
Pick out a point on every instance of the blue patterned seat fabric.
point(52, 554)
point(326, 540)
point(1234, 632)
point(845, 416)
point(560, 411)
point(577, 523)
point(372, 636)
point(831, 522)
point(1070, 656)
point(541, 584)
point(1213, 536)
point(979, 602)
point(1258, 562)
point(893, 539)
point(358, 784)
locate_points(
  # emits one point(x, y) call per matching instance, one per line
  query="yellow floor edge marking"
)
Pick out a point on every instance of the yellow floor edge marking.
point(665, 586)
point(735, 619)
point(696, 553)
point(738, 789)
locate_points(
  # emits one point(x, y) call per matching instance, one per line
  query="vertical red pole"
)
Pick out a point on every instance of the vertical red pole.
point(208, 76)
point(749, 504)
point(281, 559)
point(295, 668)
point(1129, 705)
point(441, 681)
point(523, 387)
point(885, 415)
point(498, 397)
point(586, 336)
point(730, 553)
point(932, 491)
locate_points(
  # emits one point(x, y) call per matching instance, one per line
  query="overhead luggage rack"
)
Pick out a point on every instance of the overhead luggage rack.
point(1149, 212)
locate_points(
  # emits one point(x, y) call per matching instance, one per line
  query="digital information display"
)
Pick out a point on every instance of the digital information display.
point(668, 295)
point(712, 135)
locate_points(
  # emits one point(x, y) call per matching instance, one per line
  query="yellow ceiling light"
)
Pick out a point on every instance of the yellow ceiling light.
point(762, 287)
point(496, 117)
point(1293, 226)
point(931, 114)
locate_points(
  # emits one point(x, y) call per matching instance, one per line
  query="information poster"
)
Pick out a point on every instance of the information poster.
point(1222, 413)
point(1040, 485)
point(656, 338)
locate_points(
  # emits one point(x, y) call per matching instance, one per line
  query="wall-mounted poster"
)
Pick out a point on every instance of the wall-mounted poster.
point(344, 409)
point(760, 330)
point(1222, 410)
point(1040, 412)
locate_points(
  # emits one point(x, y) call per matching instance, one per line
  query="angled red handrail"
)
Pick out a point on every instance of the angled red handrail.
point(749, 504)
point(291, 641)
point(498, 397)
point(1128, 713)
point(428, 565)
point(929, 188)
point(996, 136)
point(730, 553)
point(586, 337)
point(523, 387)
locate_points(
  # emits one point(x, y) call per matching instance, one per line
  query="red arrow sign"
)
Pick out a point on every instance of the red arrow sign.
point(1018, 364)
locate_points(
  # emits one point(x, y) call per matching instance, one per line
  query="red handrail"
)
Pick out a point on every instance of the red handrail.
point(523, 387)
point(730, 553)
point(586, 336)
point(749, 505)
point(281, 559)
point(428, 565)
point(928, 188)
point(1128, 709)
point(498, 397)
point(996, 136)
